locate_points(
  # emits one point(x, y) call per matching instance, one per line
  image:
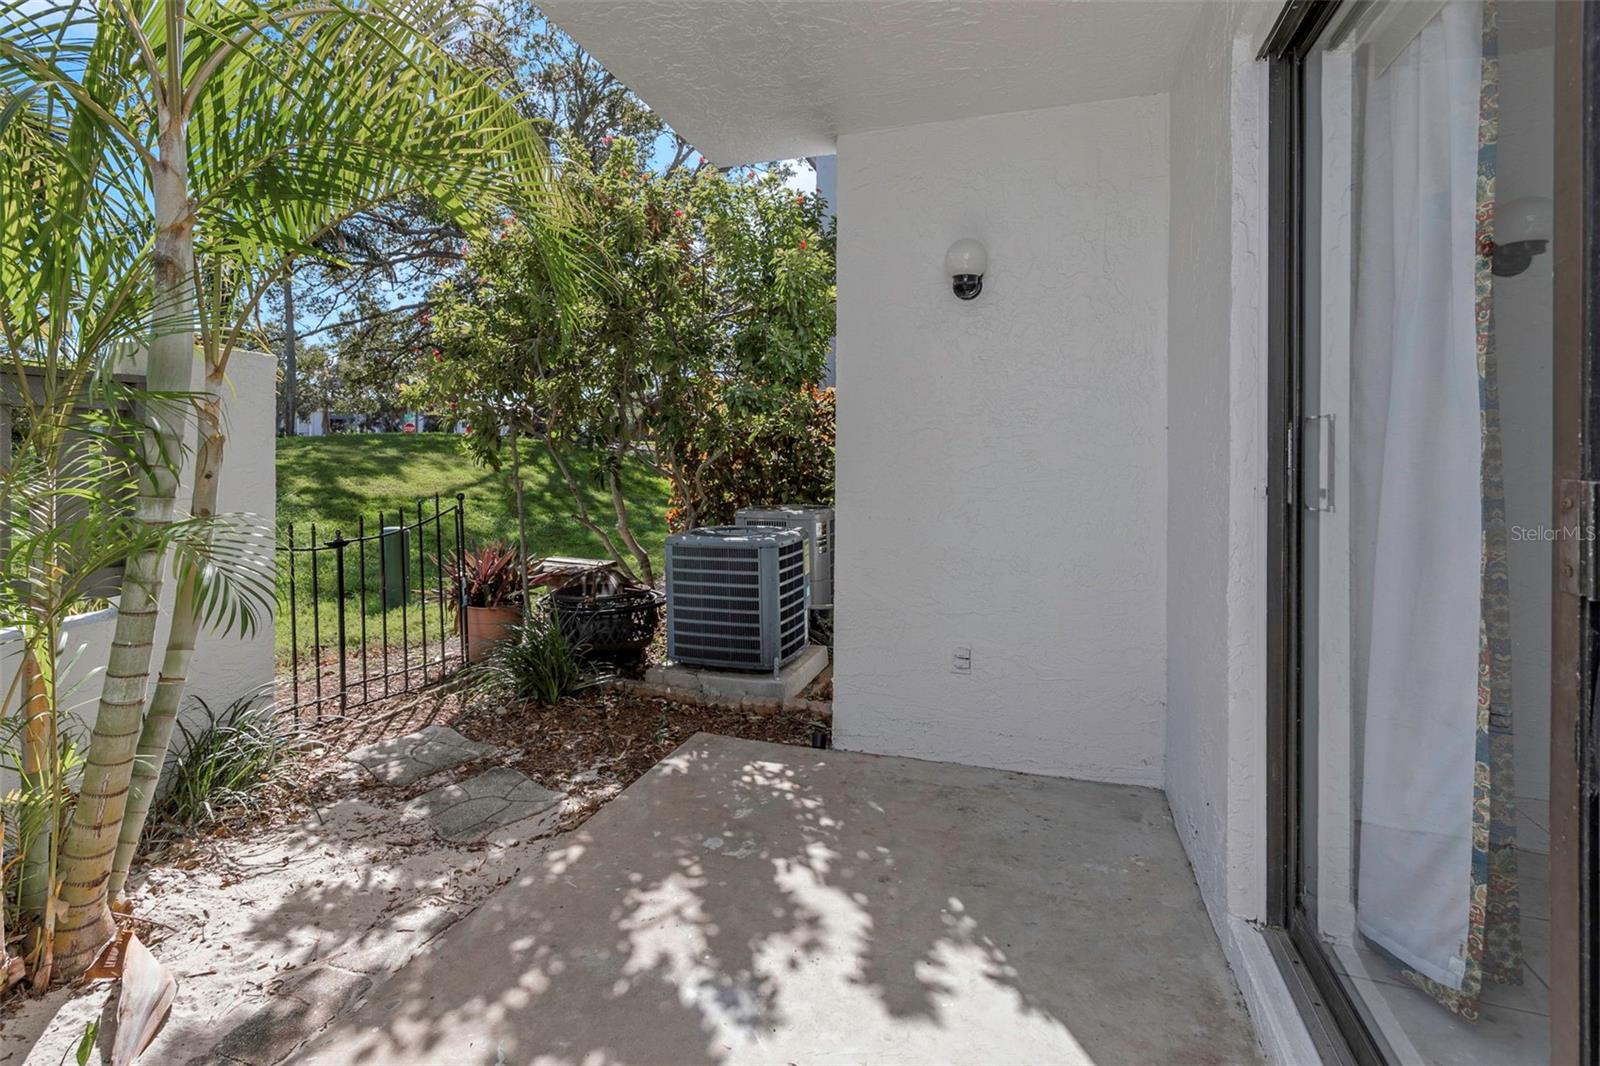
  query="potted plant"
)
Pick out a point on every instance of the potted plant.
point(490, 580)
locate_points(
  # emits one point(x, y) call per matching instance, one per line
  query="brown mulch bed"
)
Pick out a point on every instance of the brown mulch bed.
point(595, 745)
point(590, 746)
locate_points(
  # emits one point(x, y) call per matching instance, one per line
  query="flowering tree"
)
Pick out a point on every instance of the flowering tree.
point(707, 308)
point(783, 460)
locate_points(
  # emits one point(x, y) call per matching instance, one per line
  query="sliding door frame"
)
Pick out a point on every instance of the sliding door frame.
point(1336, 1023)
point(1331, 1016)
point(1575, 651)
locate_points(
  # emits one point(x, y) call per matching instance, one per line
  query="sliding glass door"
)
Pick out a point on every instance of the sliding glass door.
point(1423, 528)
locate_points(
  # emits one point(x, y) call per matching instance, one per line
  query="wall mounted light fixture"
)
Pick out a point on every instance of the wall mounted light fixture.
point(1522, 230)
point(966, 262)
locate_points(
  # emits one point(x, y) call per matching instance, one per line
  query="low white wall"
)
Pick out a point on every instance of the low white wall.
point(1001, 462)
point(86, 641)
point(224, 667)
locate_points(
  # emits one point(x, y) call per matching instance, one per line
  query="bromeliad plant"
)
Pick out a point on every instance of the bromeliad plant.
point(490, 576)
point(494, 575)
point(160, 160)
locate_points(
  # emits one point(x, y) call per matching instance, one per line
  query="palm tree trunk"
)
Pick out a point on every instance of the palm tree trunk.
point(36, 779)
point(156, 737)
point(91, 839)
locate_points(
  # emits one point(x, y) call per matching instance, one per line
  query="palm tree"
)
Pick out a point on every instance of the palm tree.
point(250, 126)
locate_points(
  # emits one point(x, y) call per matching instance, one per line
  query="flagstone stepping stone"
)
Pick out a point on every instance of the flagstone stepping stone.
point(477, 808)
point(403, 760)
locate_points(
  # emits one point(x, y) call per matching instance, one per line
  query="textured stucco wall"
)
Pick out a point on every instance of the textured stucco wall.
point(1198, 447)
point(1216, 453)
point(226, 668)
point(1217, 756)
point(1002, 463)
point(223, 668)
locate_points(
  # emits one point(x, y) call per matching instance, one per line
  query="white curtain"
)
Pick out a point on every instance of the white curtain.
point(1416, 466)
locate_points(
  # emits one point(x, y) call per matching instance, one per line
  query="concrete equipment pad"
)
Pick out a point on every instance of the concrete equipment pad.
point(724, 686)
point(404, 760)
point(750, 902)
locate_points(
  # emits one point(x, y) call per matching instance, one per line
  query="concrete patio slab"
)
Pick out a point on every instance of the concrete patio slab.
point(405, 760)
point(479, 807)
point(748, 902)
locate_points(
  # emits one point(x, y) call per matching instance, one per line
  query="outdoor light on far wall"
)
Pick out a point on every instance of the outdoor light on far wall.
point(965, 262)
point(1522, 230)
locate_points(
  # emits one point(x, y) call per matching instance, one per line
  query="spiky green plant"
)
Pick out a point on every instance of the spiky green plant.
point(223, 765)
point(534, 664)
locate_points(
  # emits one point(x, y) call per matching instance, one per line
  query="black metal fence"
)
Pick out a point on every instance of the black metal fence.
point(373, 615)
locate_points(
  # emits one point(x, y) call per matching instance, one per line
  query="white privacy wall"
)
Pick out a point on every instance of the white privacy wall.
point(1002, 462)
point(226, 668)
point(223, 668)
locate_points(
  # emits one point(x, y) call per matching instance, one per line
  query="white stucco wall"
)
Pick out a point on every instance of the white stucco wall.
point(1217, 461)
point(1198, 449)
point(1217, 510)
point(1001, 463)
point(226, 668)
point(223, 668)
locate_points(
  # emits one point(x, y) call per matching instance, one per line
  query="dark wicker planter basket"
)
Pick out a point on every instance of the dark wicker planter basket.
point(617, 628)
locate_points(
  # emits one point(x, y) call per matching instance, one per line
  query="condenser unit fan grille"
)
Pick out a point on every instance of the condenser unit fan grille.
point(792, 598)
point(736, 598)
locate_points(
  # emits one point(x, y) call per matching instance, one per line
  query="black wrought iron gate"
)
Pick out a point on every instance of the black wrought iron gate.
point(373, 615)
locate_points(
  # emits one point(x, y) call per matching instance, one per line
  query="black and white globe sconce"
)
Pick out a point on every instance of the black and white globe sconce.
point(966, 262)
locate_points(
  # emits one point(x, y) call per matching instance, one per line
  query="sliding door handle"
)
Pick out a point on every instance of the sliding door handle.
point(1316, 465)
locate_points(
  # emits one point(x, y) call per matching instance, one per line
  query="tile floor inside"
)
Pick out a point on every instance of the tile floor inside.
point(1514, 1025)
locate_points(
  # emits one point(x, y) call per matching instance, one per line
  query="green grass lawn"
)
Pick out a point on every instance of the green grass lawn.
point(342, 481)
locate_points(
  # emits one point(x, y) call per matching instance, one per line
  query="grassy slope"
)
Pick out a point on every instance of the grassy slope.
point(332, 480)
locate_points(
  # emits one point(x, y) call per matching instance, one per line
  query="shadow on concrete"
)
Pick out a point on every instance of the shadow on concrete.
point(748, 902)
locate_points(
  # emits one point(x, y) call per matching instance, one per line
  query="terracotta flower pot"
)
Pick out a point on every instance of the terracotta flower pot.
point(488, 626)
